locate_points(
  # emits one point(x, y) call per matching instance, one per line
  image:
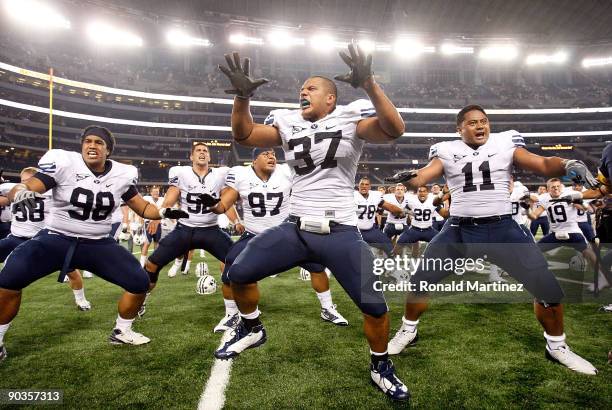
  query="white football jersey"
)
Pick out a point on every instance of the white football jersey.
point(5, 211)
point(479, 179)
point(366, 209)
point(583, 215)
point(323, 157)
point(392, 199)
point(83, 203)
point(27, 225)
point(265, 203)
point(158, 203)
point(563, 217)
point(519, 214)
point(436, 215)
point(422, 212)
point(191, 186)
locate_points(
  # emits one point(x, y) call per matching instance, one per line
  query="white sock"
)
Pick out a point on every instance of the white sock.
point(123, 324)
point(409, 325)
point(326, 299)
point(253, 315)
point(3, 329)
point(555, 342)
point(378, 353)
point(143, 259)
point(230, 306)
point(187, 266)
point(178, 262)
point(79, 294)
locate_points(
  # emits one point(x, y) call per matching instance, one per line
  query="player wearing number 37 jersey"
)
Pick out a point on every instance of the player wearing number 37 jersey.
point(478, 171)
point(85, 188)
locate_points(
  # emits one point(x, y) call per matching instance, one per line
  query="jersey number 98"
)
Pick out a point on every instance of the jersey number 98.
point(84, 199)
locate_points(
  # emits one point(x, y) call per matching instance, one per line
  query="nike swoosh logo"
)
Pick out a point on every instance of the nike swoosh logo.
point(276, 187)
point(490, 155)
point(329, 127)
point(109, 185)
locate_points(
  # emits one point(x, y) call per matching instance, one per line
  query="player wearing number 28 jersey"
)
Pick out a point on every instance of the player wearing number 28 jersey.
point(322, 143)
point(85, 188)
point(478, 171)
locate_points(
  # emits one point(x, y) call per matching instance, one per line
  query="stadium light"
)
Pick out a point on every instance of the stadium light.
point(559, 57)
point(105, 34)
point(450, 49)
point(367, 45)
point(499, 53)
point(596, 62)
point(282, 39)
point(35, 14)
point(325, 42)
point(242, 39)
point(181, 39)
point(410, 48)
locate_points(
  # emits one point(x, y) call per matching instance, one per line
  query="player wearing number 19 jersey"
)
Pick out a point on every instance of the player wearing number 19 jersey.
point(322, 143)
point(265, 189)
point(86, 188)
point(478, 171)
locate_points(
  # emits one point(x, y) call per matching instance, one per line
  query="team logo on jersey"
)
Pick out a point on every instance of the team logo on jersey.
point(80, 177)
point(458, 157)
point(296, 129)
point(314, 126)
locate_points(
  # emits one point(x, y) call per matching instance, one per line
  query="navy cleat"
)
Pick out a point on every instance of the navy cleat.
point(384, 377)
point(241, 339)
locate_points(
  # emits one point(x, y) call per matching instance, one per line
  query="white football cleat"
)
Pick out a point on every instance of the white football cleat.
point(227, 322)
point(383, 376)
point(87, 274)
point(606, 308)
point(127, 337)
point(402, 339)
point(173, 271)
point(83, 305)
point(570, 360)
point(332, 315)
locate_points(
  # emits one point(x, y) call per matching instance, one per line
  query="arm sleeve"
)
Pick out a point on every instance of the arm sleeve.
point(173, 176)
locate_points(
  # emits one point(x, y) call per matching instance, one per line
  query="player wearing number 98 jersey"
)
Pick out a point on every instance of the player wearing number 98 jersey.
point(478, 170)
point(86, 188)
point(265, 188)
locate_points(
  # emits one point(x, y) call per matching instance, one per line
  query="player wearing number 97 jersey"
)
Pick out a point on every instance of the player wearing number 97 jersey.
point(85, 189)
point(478, 171)
point(265, 188)
point(322, 143)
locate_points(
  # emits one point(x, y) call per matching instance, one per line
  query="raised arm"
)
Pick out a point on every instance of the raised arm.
point(415, 179)
point(545, 166)
point(394, 209)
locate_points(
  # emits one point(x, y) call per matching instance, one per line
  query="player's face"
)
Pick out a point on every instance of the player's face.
point(200, 156)
point(382, 190)
point(315, 100)
point(94, 151)
point(400, 190)
point(555, 188)
point(541, 190)
point(474, 129)
point(155, 193)
point(577, 187)
point(435, 189)
point(364, 186)
point(422, 193)
point(266, 161)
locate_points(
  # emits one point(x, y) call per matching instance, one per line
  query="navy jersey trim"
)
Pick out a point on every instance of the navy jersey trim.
point(48, 182)
point(130, 193)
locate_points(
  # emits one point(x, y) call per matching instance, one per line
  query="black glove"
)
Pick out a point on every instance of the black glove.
point(580, 174)
point(401, 177)
point(208, 200)
point(244, 86)
point(524, 205)
point(173, 213)
point(360, 65)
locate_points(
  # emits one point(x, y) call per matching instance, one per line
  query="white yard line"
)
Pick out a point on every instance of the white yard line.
point(213, 395)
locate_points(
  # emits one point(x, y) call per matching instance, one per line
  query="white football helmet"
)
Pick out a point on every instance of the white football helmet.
point(577, 263)
point(139, 240)
point(206, 285)
point(124, 236)
point(201, 269)
point(304, 274)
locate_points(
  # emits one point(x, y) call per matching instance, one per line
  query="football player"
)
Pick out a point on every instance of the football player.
point(421, 223)
point(5, 212)
point(563, 217)
point(396, 224)
point(322, 143)
point(438, 220)
point(264, 188)
point(368, 202)
point(153, 236)
point(542, 221)
point(86, 188)
point(25, 225)
point(477, 169)
point(584, 211)
point(201, 230)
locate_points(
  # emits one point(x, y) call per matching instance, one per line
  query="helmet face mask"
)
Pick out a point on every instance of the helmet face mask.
point(206, 285)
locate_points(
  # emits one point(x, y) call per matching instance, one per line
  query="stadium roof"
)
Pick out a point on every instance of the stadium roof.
point(532, 20)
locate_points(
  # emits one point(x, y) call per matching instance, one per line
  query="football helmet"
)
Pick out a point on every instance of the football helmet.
point(577, 263)
point(206, 285)
point(304, 274)
point(201, 269)
point(138, 240)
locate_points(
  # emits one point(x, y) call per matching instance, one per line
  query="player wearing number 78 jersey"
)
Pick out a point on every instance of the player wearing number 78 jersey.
point(86, 188)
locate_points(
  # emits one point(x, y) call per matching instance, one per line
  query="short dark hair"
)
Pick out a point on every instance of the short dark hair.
point(330, 85)
point(466, 109)
point(364, 179)
point(101, 132)
point(195, 144)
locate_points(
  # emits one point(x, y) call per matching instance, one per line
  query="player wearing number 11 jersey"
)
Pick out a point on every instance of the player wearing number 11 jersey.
point(478, 170)
point(86, 188)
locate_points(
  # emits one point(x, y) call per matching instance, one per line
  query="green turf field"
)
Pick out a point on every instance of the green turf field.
point(468, 356)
